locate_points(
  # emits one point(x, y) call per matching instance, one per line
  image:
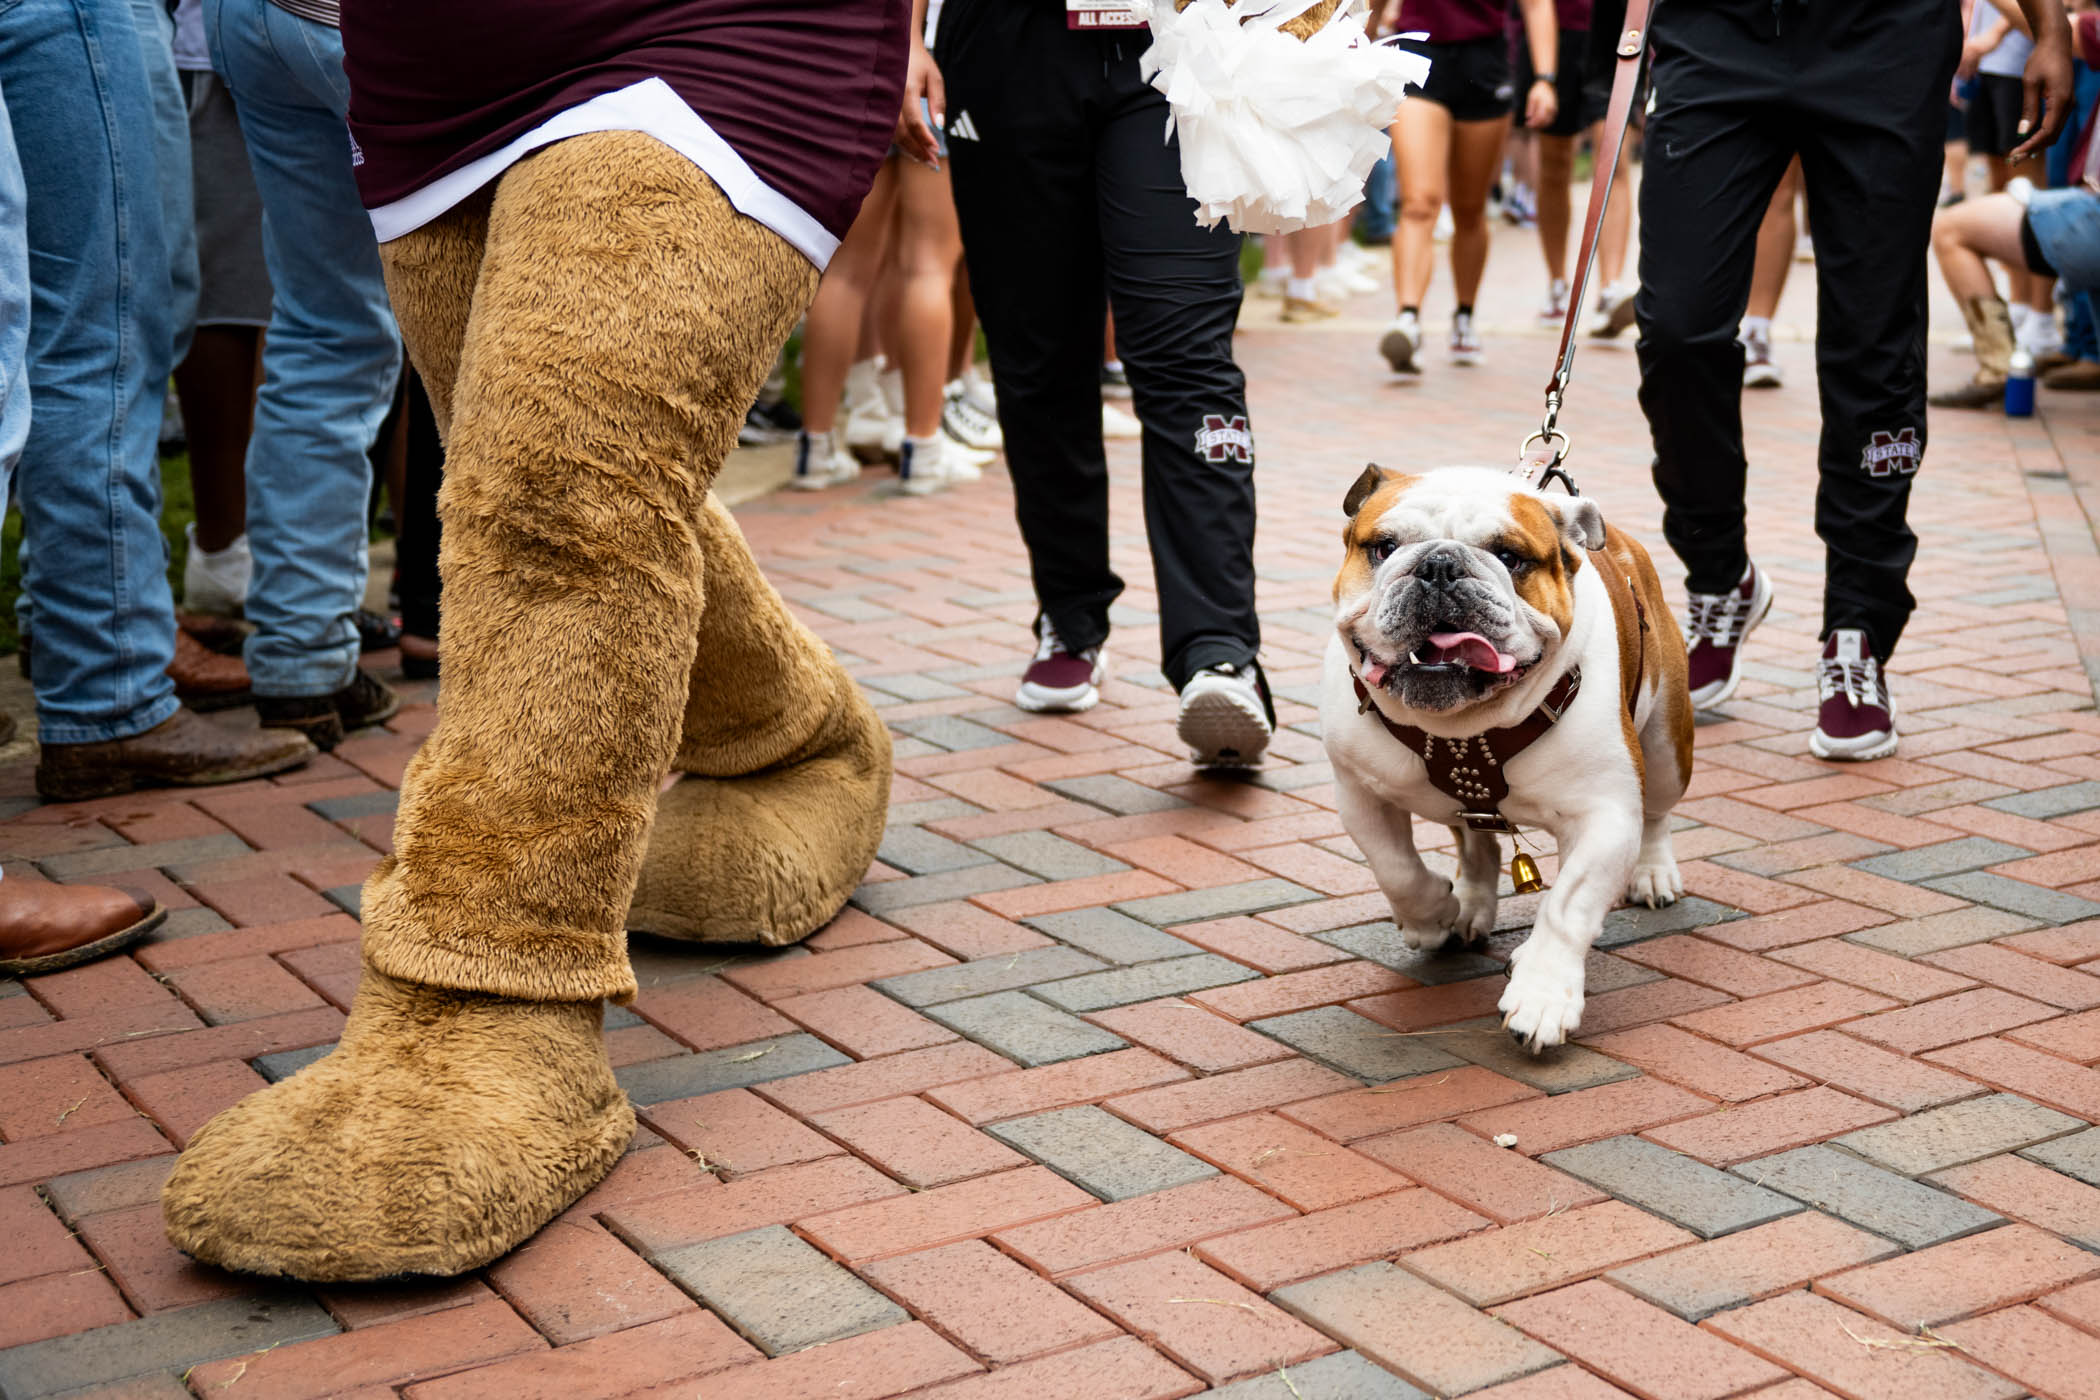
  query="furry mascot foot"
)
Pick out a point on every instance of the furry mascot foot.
point(788, 772)
point(771, 857)
point(444, 1130)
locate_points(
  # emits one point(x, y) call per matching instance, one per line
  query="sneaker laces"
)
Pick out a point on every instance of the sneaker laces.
point(974, 419)
point(1719, 618)
point(1859, 681)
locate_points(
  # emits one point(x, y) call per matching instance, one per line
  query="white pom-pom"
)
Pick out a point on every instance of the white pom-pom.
point(1277, 133)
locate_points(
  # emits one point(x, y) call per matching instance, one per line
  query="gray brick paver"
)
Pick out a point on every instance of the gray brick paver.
point(1024, 1029)
point(1913, 1215)
point(734, 1067)
point(1678, 1188)
point(777, 1290)
point(1098, 1151)
point(161, 1342)
point(982, 976)
point(1146, 982)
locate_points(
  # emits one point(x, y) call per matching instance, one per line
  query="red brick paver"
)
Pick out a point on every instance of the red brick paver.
point(1227, 1179)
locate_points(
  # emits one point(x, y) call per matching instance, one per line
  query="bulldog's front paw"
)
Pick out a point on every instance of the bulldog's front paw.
point(1476, 911)
point(1656, 883)
point(1542, 1005)
point(1428, 928)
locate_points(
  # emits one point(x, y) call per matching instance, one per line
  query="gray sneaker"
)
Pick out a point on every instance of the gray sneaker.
point(1227, 717)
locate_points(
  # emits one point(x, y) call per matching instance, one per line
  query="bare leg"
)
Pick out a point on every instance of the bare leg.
point(1616, 233)
point(216, 382)
point(1476, 151)
point(832, 335)
point(928, 247)
point(1964, 234)
point(1422, 154)
point(1556, 173)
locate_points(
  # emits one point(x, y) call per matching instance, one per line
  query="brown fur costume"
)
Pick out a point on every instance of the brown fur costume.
point(591, 330)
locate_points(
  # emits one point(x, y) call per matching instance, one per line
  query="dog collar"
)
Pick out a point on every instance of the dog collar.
point(1468, 770)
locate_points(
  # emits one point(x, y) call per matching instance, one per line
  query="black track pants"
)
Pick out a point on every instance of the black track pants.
point(1066, 192)
point(1858, 89)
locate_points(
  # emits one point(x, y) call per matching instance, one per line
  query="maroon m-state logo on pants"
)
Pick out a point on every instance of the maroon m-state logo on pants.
point(1892, 454)
point(1223, 439)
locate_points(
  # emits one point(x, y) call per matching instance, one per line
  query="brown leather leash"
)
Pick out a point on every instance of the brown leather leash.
point(1542, 459)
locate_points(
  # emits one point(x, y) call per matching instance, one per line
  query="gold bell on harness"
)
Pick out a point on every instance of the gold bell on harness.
point(1524, 875)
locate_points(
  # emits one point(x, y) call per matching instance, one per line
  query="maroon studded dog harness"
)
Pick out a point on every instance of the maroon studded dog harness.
point(1468, 770)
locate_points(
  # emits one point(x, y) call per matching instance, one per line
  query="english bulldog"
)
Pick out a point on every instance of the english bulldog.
point(1465, 605)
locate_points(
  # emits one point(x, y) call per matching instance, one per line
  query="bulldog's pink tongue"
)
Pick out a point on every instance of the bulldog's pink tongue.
point(1375, 672)
point(1472, 649)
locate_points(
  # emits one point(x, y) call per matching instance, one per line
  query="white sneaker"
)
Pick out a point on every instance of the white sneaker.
point(216, 583)
point(1226, 718)
point(822, 462)
point(872, 432)
point(1115, 423)
point(1059, 681)
point(1614, 311)
point(1268, 284)
point(962, 461)
point(1554, 309)
point(1759, 370)
point(1338, 284)
point(1400, 341)
point(1444, 227)
point(981, 392)
point(1465, 341)
point(925, 465)
point(968, 424)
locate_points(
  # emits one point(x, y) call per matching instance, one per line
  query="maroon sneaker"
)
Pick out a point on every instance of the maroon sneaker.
point(1856, 720)
point(1717, 625)
point(1060, 681)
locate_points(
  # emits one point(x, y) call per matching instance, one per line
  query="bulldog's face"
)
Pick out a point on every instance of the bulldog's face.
point(1457, 582)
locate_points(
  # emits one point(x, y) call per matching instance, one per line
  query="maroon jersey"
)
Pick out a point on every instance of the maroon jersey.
point(1452, 21)
point(805, 91)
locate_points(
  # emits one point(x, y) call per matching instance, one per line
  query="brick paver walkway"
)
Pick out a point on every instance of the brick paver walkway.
point(1116, 1082)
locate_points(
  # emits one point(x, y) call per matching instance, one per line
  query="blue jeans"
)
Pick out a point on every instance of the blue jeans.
point(14, 307)
point(100, 351)
point(330, 357)
point(1374, 222)
point(171, 145)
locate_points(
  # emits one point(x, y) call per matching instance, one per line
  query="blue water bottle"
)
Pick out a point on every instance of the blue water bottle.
point(2019, 384)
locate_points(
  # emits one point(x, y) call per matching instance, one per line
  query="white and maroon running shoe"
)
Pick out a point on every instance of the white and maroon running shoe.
point(1058, 680)
point(1717, 624)
point(1855, 720)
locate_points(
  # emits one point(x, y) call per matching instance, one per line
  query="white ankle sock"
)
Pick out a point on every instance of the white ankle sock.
point(1757, 327)
point(1301, 289)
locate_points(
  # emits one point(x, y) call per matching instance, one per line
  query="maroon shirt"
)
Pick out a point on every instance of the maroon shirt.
point(806, 91)
point(1450, 21)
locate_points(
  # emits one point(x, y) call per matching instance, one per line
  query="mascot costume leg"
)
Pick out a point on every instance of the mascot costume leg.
point(591, 327)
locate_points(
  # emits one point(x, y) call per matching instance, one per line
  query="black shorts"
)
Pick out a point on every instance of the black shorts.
point(1994, 114)
point(1600, 66)
point(1469, 79)
point(1568, 85)
point(2031, 248)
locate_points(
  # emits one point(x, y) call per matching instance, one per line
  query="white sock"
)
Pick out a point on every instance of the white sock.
point(2020, 312)
point(1757, 328)
point(1300, 289)
point(1112, 366)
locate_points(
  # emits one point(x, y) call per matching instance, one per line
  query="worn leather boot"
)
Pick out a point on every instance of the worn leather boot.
point(327, 719)
point(182, 751)
point(205, 680)
point(46, 927)
point(1991, 325)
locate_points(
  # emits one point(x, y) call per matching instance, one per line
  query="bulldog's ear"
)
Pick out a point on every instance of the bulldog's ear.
point(1374, 477)
point(1580, 522)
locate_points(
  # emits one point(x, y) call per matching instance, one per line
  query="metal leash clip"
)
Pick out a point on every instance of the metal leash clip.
point(1545, 452)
